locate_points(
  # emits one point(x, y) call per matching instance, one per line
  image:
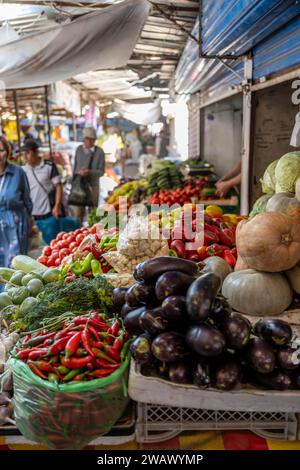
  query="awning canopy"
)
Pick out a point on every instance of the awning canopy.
point(96, 41)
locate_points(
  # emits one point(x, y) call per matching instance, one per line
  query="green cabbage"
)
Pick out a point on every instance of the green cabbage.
point(268, 180)
point(286, 173)
point(260, 205)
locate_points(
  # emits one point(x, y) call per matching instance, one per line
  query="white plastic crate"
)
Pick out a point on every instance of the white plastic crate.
point(156, 423)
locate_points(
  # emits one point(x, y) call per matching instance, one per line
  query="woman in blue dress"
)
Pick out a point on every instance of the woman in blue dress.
point(15, 208)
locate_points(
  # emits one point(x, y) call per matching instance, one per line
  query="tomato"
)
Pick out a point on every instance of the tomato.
point(70, 239)
point(65, 236)
point(73, 246)
point(77, 231)
point(57, 262)
point(43, 260)
point(53, 243)
point(79, 238)
point(59, 236)
point(52, 261)
point(63, 244)
point(64, 252)
point(47, 250)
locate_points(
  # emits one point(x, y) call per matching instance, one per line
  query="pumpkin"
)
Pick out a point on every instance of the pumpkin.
point(285, 203)
point(294, 277)
point(269, 242)
point(218, 266)
point(257, 293)
point(297, 189)
point(240, 264)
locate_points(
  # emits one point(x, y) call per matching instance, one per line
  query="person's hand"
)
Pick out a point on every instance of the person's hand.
point(56, 211)
point(85, 172)
point(222, 188)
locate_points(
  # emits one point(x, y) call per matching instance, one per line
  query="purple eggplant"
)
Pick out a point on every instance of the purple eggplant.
point(174, 308)
point(202, 373)
point(237, 330)
point(118, 298)
point(141, 349)
point(276, 332)
point(220, 310)
point(227, 375)
point(260, 356)
point(139, 293)
point(131, 321)
point(200, 297)
point(151, 270)
point(205, 340)
point(172, 283)
point(153, 322)
point(126, 309)
point(276, 380)
point(287, 358)
point(162, 369)
point(169, 347)
point(180, 372)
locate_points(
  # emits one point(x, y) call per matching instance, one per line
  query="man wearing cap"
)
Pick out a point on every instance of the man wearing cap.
point(45, 190)
point(89, 163)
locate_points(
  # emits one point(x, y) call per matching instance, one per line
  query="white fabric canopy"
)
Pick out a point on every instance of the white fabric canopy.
point(101, 40)
point(143, 114)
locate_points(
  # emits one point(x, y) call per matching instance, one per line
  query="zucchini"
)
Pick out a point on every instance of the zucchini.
point(26, 264)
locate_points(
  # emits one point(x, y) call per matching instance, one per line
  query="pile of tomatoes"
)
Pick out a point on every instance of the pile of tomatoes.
point(66, 244)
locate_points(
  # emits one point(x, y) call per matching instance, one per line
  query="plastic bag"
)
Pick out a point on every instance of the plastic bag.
point(67, 416)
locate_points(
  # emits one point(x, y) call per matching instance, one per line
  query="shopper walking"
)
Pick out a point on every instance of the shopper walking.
point(90, 165)
point(15, 208)
point(45, 191)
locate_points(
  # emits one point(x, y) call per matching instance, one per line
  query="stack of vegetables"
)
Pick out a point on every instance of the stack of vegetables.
point(85, 348)
point(192, 189)
point(164, 175)
point(187, 333)
point(134, 191)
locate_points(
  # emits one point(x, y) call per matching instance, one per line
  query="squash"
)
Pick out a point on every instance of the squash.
point(285, 203)
point(294, 277)
point(218, 266)
point(297, 189)
point(269, 242)
point(257, 293)
point(240, 264)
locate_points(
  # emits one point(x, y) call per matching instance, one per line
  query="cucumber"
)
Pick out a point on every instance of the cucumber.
point(7, 273)
point(27, 278)
point(17, 278)
point(26, 264)
point(27, 305)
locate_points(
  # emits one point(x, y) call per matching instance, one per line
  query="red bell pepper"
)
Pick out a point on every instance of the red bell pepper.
point(229, 258)
point(234, 252)
point(215, 250)
point(179, 247)
point(227, 237)
point(210, 238)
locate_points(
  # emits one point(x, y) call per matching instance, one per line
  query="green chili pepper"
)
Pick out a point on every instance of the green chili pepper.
point(64, 271)
point(103, 241)
point(96, 267)
point(63, 370)
point(70, 375)
point(53, 378)
point(173, 253)
point(82, 267)
point(125, 349)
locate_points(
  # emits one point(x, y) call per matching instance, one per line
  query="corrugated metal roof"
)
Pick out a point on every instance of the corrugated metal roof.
point(156, 53)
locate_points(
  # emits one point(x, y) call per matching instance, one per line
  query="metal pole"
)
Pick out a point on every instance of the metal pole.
point(17, 117)
point(48, 120)
point(74, 127)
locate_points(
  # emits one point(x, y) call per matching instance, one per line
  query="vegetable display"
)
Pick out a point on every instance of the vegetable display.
point(164, 175)
point(196, 338)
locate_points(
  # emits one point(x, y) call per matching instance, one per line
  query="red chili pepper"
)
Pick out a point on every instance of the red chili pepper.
point(27, 338)
point(59, 346)
point(44, 366)
point(76, 362)
point(118, 343)
point(93, 331)
point(54, 359)
point(114, 329)
point(229, 258)
point(210, 237)
point(95, 316)
point(97, 344)
point(73, 344)
point(111, 352)
point(81, 352)
point(41, 352)
point(106, 365)
point(99, 373)
point(102, 355)
point(36, 371)
point(86, 341)
point(23, 354)
point(90, 366)
point(36, 340)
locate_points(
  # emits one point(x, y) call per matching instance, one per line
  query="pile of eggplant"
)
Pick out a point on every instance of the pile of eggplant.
point(186, 332)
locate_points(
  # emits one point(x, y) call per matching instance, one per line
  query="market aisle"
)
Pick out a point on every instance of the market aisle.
point(204, 440)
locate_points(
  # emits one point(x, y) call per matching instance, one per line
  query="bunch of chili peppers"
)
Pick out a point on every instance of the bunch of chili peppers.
point(93, 263)
point(85, 349)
